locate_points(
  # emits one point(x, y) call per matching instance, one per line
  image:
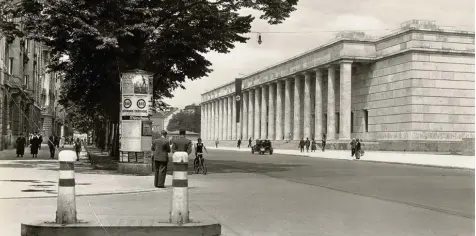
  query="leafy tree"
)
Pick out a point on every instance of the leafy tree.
point(103, 38)
point(185, 120)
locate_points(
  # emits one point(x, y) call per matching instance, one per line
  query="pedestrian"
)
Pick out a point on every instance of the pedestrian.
point(239, 143)
point(308, 143)
point(40, 139)
point(358, 149)
point(302, 144)
point(34, 144)
point(57, 141)
point(216, 143)
point(313, 145)
point(249, 142)
point(161, 149)
point(77, 148)
point(21, 142)
point(352, 146)
point(51, 145)
point(324, 139)
point(290, 137)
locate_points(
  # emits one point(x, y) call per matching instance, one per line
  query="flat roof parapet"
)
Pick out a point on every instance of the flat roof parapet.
point(350, 34)
point(419, 24)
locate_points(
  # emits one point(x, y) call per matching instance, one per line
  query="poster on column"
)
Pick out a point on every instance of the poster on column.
point(136, 105)
point(131, 131)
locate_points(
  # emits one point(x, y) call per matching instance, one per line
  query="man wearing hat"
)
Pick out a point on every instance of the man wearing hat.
point(161, 148)
point(181, 146)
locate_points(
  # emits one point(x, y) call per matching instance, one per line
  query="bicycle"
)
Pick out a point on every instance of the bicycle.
point(199, 164)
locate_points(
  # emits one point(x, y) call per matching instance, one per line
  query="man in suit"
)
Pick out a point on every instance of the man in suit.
point(161, 149)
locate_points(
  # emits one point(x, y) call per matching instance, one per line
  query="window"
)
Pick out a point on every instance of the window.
point(25, 80)
point(337, 122)
point(366, 120)
point(10, 66)
point(351, 122)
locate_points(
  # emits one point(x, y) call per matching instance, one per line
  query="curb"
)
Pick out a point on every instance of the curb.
point(91, 194)
point(387, 162)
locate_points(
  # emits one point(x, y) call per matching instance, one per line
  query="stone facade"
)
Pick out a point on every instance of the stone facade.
point(22, 93)
point(411, 90)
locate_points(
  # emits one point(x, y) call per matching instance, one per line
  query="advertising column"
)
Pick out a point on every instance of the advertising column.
point(136, 126)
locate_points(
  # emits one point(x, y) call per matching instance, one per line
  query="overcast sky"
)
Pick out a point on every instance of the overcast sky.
point(311, 17)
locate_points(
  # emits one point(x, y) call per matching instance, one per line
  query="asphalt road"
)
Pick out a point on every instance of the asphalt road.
point(450, 191)
point(291, 195)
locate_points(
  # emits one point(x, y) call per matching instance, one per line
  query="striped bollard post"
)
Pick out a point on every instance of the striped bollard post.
point(179, 213)
point(66, 209)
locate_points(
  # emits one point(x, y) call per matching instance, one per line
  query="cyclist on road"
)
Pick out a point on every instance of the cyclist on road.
point(199, 147)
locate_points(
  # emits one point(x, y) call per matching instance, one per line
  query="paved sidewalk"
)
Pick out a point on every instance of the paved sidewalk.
point(453, 161)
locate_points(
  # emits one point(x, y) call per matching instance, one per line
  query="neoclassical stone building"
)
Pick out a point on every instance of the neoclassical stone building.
point(410, 90)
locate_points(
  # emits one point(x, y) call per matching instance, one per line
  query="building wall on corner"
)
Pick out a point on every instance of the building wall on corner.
point(442, 92)
point(383, 88)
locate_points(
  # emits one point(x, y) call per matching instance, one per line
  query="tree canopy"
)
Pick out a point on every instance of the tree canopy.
point(189, 121)
point(103, 38)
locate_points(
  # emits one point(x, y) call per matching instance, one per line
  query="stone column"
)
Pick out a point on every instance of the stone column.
point(264, 106)
point(251, 110)
point(219, 119)
point(244, 119)
point(207, 124)
point(318, 106)
point(307, 105)
point(257, 112)
point(297, 109)
point(279, 111)
point(271, 105)
point(234, 125)
point(331, 104)
point(230, 122)
point(287, 108)
point(212, 119)
point(202, 121)
point(345, 99)
point(223, 118)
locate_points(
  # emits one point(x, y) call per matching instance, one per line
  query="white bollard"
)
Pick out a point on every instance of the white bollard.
point(66, 210)
point(179, 213)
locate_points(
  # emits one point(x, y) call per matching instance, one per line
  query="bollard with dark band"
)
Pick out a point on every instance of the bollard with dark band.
point(66, 211)
point(179, 213)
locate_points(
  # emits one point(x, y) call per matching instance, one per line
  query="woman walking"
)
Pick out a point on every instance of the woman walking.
point(358, 149)
point(21, 142)
point(313, 145)
point(35, 143)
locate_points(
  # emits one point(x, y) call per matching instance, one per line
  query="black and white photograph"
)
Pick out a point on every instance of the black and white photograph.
point(237, 118)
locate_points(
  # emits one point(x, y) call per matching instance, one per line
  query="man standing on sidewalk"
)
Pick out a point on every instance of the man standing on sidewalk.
point(51, 145)
point(161, 149)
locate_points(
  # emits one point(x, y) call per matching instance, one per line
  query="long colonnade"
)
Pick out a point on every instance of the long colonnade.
point(281, 109)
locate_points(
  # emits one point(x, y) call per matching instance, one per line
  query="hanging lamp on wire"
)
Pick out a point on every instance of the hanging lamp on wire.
point(259, 38)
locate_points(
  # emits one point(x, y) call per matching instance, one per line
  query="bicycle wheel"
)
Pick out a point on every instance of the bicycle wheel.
point(196, 165)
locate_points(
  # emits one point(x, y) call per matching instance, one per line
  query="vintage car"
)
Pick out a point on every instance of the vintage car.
point(262, 147)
